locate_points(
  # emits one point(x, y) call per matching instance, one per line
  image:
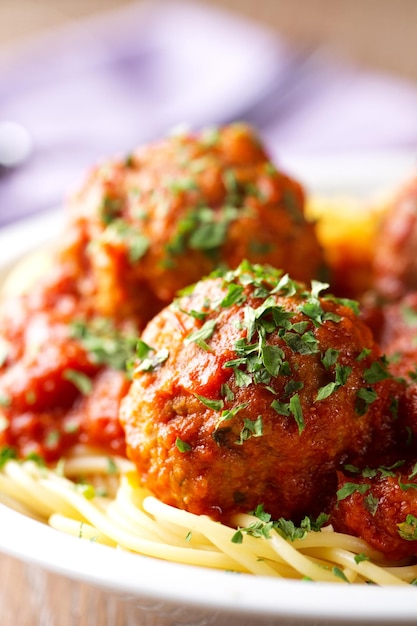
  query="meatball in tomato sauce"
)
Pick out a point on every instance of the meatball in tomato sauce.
point(144, 227)
point(252, 389)
point(379, 505)
point(395, 260)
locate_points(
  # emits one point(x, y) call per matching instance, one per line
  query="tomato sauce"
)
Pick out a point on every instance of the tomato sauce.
point(60, 382)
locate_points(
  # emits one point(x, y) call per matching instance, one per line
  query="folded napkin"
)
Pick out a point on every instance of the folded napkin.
point(104, 85)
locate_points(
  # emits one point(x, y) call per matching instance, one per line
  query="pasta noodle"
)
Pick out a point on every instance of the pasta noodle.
point(132, 519)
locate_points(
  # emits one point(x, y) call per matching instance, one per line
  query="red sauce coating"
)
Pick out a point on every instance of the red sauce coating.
point(42, 409)
point(377, 509)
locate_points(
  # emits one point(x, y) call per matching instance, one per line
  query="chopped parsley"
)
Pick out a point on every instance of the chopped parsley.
point(292, 205)
point(272, 358)
point(182, 446)
point(371, 503)
point(404, 486)
point(408, 529)
point(208, 236)
point(413, 472)
point(110, 209)
point(181, 185)
point(227, 393)
point(297, 412)
point(129, 161)
point(409, 315)
point(358, 558)
point(292, 386)
point(52, 439)
point(353, 305)
point(264, 526)
point(137, 243)
point(364, 397)
point(342, 373)
point(112, 468)
point(6, 454)
point(229, 414)
point(81, 381)
point(210, 136)
point(216, 405)
point(251, 428)
point(85, 489)
point(35, 458)
point(152, 360)
point(330, 357)
point(105, 344)
point(364, 353)
point(282, 408)
point(71, 427)
point(377, 372)
point(326, 391)
point(235, 295)
point(199, 336)
point(31, 397)
point(339, 574)
point(5, 401)
point(260, 247)
point(349, 488)
point(303, 344)
point(202, 228)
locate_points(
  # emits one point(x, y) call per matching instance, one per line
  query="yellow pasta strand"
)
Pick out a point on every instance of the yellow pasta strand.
point(220, 535)
point(78, 529)
point(136, 521)
point(365, 568)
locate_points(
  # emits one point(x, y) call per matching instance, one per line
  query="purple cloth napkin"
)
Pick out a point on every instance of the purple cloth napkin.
point(104, 85)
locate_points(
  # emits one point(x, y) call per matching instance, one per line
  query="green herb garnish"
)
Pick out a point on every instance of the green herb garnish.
point(81, 381)
point(182, 446)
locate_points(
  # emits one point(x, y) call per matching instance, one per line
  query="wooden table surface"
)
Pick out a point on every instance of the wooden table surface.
point(31, 596)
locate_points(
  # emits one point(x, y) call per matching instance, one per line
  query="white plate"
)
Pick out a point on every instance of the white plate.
point(178, 594)
point(362, 175)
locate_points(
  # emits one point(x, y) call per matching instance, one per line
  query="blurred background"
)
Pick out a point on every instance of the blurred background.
point(378, 33)
point(81, 80)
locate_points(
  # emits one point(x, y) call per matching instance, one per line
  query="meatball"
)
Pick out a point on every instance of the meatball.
point(379, 505)
point(396, 331)
point(395, 261)
point(145, 227)
point(251, 389)
point(398, 326)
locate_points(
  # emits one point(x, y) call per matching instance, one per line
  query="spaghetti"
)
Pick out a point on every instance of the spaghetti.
point(132, 519)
